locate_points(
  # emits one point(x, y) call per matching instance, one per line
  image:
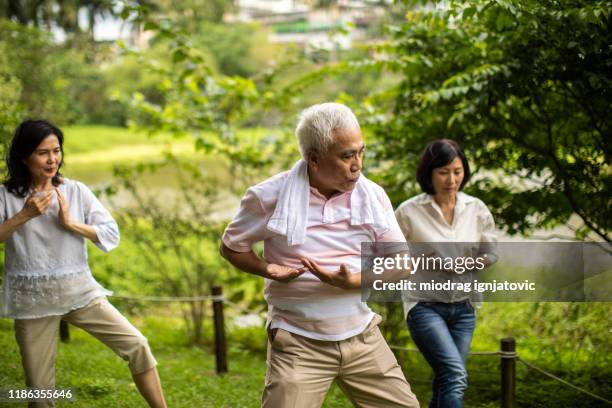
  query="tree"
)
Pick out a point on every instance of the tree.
point(54, 82)
point(28, 52)
point(527, 98)
point(68, 15)
point(190, 13)
point(476, 71)
point(11, 108)
point(525, 87)
point(175, 234)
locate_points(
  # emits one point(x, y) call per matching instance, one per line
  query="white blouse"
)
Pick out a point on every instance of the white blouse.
point(45, 266)
point(422, 221)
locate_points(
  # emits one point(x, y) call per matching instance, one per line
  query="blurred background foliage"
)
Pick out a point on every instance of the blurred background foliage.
point(172, 128)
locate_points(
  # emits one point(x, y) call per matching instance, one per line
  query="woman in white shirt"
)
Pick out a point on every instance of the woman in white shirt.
point(45, 222)
point(445, 223)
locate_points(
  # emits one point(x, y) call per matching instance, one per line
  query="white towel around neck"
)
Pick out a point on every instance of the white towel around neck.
point(290, 216)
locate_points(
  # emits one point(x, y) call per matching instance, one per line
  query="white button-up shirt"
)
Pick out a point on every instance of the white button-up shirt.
point(421, 220)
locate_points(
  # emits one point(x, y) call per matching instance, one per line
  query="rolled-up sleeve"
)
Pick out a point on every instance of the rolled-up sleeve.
point(488, 234)
point(394, 233)
point(392, 241)
point(403, 222)
point(100, 219)
point(248, 226)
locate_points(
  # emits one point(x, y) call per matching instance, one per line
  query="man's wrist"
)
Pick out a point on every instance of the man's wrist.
point(356, 282)
point(264, 270)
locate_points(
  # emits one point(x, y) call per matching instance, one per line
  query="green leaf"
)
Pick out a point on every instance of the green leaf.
point(468, 12)
point(179, 55)
point(503, 21)
point(150, 26)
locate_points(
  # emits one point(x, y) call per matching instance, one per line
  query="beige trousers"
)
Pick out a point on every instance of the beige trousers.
point(37, 340)
point(301, 370)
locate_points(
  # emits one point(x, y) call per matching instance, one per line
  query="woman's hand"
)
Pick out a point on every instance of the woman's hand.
point(64, 211)
point(84, 230)
point(34, 206)
point(37, 205)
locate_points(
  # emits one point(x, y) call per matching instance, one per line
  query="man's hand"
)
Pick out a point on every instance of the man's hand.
point(283, 273)
point(342, 278)
point(251, 263)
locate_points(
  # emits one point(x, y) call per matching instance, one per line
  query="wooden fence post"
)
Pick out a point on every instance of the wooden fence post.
point(508, 372)
point(220, 344)
point(64, 332)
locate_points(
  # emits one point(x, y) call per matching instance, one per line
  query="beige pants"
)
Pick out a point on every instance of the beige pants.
point(301, 370)
point(37, 340)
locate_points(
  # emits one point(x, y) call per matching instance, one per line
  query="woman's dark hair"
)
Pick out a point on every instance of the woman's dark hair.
point(28, 135)
point(439, 153)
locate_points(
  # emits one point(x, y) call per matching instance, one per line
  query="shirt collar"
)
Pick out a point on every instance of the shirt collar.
point(462, 200)
point(318, 194)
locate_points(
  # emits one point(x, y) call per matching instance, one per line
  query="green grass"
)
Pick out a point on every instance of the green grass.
point(94, 138)
point(101, 379)
point(98, 140)
point(91, 152)
point(569, 340)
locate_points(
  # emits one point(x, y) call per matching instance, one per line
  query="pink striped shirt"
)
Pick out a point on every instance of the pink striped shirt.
point(307, 306)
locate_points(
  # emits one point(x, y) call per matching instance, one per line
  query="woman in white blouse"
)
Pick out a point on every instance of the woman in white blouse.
point(452, 224)
point(45, 222)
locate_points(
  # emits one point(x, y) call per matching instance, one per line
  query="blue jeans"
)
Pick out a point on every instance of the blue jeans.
point(443, 333)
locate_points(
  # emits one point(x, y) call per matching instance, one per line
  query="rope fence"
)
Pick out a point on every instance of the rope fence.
point(507, 354)
point(472, 353)
point(187, 299)
point(513, 355)
point(561, 380)
point(170, 298)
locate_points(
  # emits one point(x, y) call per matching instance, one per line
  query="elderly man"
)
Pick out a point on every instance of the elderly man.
point(312, 220)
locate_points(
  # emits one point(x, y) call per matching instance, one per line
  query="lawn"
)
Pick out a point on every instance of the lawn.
point(91, 152)
point(98, 138)
point(100, 379)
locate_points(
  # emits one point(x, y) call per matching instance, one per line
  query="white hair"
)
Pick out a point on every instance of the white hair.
point(315, 128)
